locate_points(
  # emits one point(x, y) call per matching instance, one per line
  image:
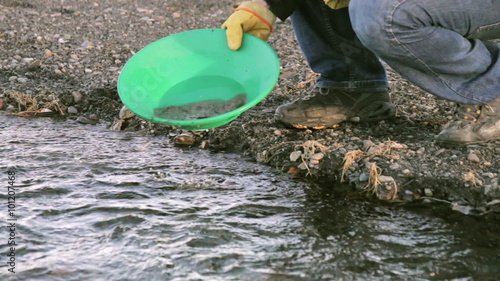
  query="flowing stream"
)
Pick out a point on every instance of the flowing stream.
point(94, 204)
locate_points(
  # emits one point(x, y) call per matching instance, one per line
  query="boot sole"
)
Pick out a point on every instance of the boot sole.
point(383, 112)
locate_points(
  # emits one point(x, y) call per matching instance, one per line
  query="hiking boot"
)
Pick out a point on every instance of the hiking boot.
point(472, 124)
point(328, 107)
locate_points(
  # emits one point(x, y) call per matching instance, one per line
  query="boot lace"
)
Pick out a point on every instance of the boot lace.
point(468, 113)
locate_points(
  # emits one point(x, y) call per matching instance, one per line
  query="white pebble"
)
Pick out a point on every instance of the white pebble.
point(72, 110)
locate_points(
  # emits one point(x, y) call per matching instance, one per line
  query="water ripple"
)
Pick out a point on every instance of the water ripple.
point(101, 205)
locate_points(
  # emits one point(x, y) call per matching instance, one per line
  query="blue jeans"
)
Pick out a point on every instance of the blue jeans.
point(332, 49)
point(442, 46)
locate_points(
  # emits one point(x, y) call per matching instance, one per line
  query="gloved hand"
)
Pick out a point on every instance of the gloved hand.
point(337, 4)
point(249, 17)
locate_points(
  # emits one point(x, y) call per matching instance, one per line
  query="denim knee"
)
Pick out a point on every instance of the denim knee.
point(368, 21)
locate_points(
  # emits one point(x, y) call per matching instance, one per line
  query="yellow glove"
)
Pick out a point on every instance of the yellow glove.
point(249, 17)
point(337, 4)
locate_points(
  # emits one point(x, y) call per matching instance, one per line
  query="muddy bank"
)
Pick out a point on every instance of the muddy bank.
point(63, 62)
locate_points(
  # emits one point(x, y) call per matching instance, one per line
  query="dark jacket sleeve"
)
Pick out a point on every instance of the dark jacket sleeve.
point(284, 8)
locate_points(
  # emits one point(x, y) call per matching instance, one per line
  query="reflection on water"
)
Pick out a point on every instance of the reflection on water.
point(100, 205)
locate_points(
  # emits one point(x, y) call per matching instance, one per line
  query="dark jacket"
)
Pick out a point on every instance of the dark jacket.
point(284, 8)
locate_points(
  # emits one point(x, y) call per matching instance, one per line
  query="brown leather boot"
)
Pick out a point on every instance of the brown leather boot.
point(472, 124)
point(328, 107)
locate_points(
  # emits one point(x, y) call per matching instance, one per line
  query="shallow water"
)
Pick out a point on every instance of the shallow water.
point(93, 204)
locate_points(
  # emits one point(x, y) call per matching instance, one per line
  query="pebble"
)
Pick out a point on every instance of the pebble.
point(302, 166)
point(277, 132)
point(12, 78)
point(428, 192)
point(440, 151)
point(10, 108)
point(117, 125)
point(385, 179)
point(72, 110)
point(77, 96)
point(47, 54)
point(394, 166)
point(317, 156)
point(85, 120)
point(367, 144)
point(363, 177)
point(314, 162)
point(184, 139)
point(473, 157)
point(295, 155)
point(125, 113)
point(462, 209)
point(28, 60)
point(22, 80)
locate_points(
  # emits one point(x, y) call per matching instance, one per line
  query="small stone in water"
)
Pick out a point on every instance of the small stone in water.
point(201, 109)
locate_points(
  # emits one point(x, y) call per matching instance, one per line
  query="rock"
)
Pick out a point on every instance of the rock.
point(117, 125)
point(27, 60)
point(77, 96)
point(363, 177)
point(47, 54)
point(318, 156)
point(367, 144)
point(374, 150)
point(125, 113)
point(302, 166)
point(184, 140)
point(45, 111)
point(440, 151)
point(394, 166)
point(313, 162)
point(85, 120)
point(385, 179)
point(473, 157)
point(72, 110)
point(277, 132)
point(10, 108)
point(295, 155)
point(35, 65)
point(428, 192)
point(466, 210)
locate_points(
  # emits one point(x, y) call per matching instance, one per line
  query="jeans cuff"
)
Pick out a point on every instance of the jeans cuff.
point(356, 86)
